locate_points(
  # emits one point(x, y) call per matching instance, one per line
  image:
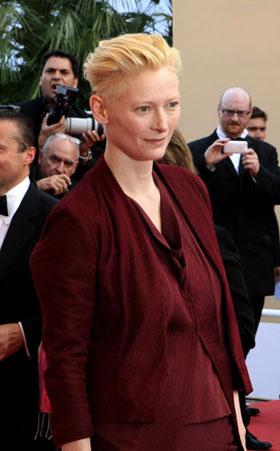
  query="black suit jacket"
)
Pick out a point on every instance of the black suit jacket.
point(245, 207)
point(19, 373)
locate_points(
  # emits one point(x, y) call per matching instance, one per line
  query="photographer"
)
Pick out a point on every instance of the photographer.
point(59, 69)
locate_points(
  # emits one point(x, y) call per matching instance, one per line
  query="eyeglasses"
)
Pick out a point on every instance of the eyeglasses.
point(239, 113)
point(254, 129)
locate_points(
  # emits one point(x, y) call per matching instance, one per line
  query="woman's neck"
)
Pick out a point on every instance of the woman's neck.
point(134, 177)
point(136, 180)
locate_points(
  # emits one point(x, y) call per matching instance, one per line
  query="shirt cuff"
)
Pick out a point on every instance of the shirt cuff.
point(24, 340)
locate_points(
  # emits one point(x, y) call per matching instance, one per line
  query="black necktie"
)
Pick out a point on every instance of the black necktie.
point(3, 206)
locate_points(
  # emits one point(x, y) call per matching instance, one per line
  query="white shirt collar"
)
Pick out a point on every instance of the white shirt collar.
point(14, 198)
point(221, 134)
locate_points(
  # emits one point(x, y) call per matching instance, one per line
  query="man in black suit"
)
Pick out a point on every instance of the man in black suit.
point(243, 189)
point(23, 210)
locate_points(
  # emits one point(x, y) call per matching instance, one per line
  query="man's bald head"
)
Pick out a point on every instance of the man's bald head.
point(234, 111)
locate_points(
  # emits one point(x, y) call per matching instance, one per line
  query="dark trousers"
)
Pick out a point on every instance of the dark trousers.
point(257, 303)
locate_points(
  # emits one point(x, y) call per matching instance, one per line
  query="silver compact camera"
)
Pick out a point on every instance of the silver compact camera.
point(235, 147)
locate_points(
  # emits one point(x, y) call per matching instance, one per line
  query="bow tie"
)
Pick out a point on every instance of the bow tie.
point(236, 139)
point(3, 206)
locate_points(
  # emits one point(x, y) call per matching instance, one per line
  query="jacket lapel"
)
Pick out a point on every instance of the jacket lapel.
point(228, 165)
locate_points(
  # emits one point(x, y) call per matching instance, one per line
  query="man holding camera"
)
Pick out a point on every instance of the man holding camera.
point(60, 71)
point(244, 189)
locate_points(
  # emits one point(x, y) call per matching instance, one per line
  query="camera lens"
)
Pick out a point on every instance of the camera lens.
point(77, 126)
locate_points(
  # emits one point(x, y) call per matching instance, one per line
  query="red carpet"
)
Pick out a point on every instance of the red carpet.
point(266, 425)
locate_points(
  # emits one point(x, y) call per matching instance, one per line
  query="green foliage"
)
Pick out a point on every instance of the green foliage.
point(30, 28)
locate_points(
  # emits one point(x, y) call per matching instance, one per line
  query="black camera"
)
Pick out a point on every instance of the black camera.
point(60, 106)
point(61, 103)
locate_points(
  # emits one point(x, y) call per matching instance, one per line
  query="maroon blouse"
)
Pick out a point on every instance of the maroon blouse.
point(193, 393)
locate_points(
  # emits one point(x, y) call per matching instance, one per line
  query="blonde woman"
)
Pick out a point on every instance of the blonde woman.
point(140, 334)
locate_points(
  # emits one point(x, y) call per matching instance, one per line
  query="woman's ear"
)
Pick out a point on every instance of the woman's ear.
point(98, 108)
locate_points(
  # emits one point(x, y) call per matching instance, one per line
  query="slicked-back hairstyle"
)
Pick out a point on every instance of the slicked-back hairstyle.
point(116, 59)
point(25, 136)
point(257, 112)
point(61, 54)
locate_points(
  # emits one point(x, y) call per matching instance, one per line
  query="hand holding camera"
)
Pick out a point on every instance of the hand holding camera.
point(214, 154)
point(250, 161)
point(59, 120)
point(61, 106)
point(47, 130)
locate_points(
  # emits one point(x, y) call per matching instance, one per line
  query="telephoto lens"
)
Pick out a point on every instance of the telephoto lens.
point(77, 125)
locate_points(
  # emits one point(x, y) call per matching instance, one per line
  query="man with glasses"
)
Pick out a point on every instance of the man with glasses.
point(244, 189)
point(58, 160)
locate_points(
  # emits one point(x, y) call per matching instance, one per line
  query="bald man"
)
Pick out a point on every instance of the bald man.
point(244, 189)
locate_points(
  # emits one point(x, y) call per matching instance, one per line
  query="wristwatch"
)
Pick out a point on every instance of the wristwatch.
point(86, 157)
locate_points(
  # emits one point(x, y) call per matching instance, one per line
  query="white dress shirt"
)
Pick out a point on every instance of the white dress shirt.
point(14, 199)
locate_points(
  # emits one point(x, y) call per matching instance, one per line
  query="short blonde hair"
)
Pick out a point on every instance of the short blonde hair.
point(116, 59)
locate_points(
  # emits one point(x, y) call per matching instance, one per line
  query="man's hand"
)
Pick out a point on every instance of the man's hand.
point(57, 183)
point(214, 153)
point(250, 161)
point(89, 139)
point(11, 339)
point(47, 130)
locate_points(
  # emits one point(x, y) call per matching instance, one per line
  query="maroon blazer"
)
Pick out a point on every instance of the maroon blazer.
point(104, 304)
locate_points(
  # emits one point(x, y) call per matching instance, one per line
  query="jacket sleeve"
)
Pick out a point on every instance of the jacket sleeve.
point(268, 177)
point(64, 270)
